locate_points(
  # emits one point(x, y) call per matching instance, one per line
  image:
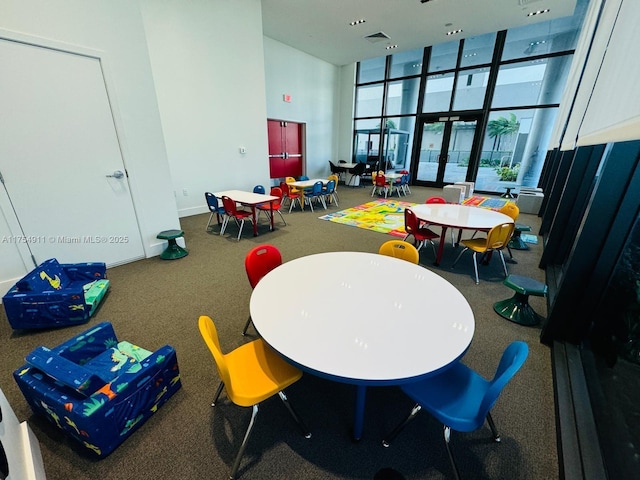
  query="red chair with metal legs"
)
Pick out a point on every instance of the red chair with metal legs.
point(420, 234)
point(277, 204)
point(239, 216)
point(258, 262)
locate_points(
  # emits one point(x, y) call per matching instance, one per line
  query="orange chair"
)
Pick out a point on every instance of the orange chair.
point(277, 204)
point(258, 262)
point(420, 234)
point(250, 374)
point(231, 211)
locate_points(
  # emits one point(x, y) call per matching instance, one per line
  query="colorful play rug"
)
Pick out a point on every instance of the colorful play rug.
point(382, 216)
point(486, 202)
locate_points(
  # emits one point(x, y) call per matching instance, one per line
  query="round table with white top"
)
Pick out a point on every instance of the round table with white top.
point(463, 217)
point(335, 322)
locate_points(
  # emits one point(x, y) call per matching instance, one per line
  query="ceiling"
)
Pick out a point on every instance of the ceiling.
point(321, 27)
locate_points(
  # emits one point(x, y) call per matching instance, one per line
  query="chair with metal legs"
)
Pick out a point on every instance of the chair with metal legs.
point(250, 374)
point(460, 398)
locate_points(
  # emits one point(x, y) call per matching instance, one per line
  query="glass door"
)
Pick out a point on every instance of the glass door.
point(445, 151)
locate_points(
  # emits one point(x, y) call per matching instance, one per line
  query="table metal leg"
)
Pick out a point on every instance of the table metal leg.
point(271, 215)
point(358, 420)
point(443, 238)
point(255, 223)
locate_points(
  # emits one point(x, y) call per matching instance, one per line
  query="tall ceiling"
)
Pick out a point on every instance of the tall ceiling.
point(322, 27)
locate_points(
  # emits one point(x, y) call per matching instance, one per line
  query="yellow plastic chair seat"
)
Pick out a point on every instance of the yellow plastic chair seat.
point(257, 373)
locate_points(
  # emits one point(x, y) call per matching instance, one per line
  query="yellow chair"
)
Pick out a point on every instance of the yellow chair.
point(400, 249)
point(497, 239)
point(290, 180)
point(250, 374)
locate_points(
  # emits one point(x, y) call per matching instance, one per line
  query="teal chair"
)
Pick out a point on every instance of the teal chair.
point(460, 398)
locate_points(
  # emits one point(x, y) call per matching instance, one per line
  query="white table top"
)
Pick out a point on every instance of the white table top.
point(337, 323)
point(460, 216)
point(248, 198)
point(309, 183)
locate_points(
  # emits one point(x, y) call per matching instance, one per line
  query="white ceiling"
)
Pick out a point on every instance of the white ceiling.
point(321, 27)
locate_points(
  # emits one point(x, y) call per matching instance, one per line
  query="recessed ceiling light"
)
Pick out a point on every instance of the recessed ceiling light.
point(538, 12)
point(357, 22)
point(454, 32)
point(391, 47)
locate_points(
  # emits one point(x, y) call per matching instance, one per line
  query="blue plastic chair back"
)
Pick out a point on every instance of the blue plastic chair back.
point(303, 178)
point(331, 186)
point(259, 189)
point(213, 204)
point(512, 359)
point(317, 189)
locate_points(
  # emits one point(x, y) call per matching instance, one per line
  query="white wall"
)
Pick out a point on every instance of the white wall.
point(208, 67)
point(114, 27)
point(314, 86)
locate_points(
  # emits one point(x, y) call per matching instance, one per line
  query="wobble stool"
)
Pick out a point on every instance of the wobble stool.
point(517, 308)
point(173, 250)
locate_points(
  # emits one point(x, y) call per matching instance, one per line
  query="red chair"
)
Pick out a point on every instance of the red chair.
point(277, 204)
point(288, 194)
point(420, 234)
point(239, 216)
point(258, 262)
point(380, 183)
point(435, 200)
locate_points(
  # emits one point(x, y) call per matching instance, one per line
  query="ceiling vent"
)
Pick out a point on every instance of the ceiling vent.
point(377, 37)
point(527, 2)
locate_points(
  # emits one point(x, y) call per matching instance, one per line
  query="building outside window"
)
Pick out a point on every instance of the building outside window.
point(480, 109)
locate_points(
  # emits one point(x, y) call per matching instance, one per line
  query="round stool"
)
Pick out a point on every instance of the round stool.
point(517, 308)
point(173, 250)
point(516, 241)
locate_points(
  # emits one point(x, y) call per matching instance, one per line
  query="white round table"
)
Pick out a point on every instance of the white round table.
point(335, 322)
point(450, 215)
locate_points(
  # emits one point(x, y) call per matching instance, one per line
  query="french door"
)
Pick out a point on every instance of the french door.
point(446, 150)
point(286, 148)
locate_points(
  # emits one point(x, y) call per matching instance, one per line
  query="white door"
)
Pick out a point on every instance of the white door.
point(59, 150)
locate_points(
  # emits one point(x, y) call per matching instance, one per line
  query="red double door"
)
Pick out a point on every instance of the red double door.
point(285, 148)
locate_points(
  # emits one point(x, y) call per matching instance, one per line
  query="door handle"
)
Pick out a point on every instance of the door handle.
point(117, 174)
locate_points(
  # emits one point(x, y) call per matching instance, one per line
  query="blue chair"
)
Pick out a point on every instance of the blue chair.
point(214, 207)
point(460, 398)
point(329, 192)
point(316, 194)
point(96, 389)
point(259, 189)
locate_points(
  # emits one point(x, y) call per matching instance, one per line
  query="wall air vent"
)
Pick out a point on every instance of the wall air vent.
point(527, 2)
point(377, 37)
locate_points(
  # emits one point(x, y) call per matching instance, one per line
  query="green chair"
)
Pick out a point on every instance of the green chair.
point(517, 308)
point(173, 250)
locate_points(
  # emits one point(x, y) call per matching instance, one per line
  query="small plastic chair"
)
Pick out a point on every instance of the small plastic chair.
point(316, 195)
point(291, 196)
point(460, 398)
point(380, 184)
point(336, 179)
point(258, 262)
point(289, 180)
point(214, 207)
point(259, 189)
point(420, 234)
point(276, 204)
point(239, 216)
point(435, 200)
point(250, 374)
point(400, 249)
point(329, 192)
point(497, 239)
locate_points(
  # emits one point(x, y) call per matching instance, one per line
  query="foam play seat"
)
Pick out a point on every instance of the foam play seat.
point(173, 250)
point(56, 295)
point(96, 389)
point(517, 308)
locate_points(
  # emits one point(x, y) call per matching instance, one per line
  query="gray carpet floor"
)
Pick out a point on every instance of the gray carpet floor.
point(154, 302)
